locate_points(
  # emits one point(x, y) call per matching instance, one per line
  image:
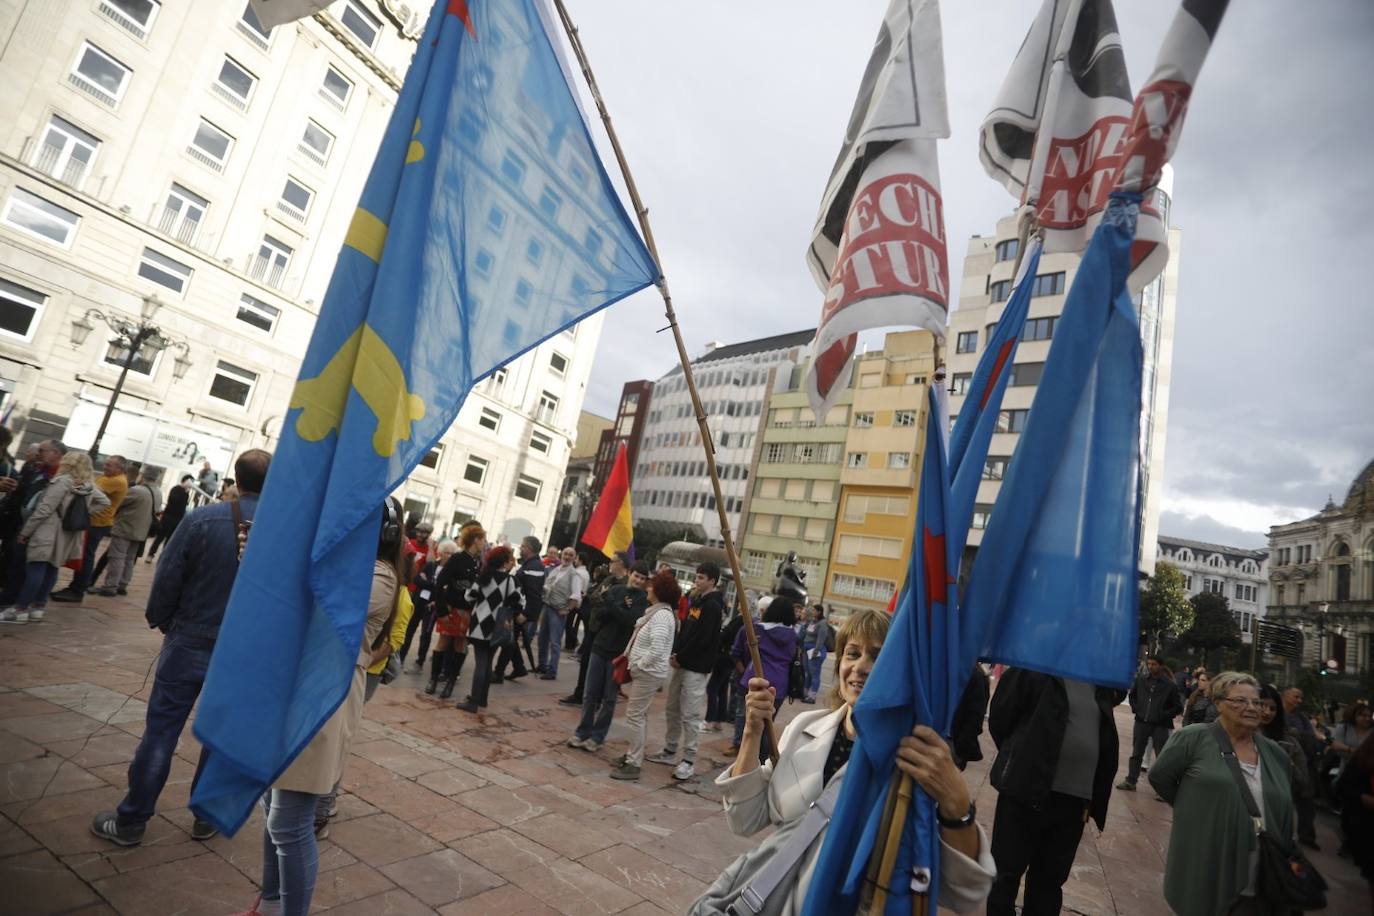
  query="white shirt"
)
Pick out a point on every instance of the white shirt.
point(652, 641)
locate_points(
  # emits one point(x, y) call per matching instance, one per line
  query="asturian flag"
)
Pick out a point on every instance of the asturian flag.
point(878, 250)
point(487, 225)
point(612, 527)
point(1090, 112)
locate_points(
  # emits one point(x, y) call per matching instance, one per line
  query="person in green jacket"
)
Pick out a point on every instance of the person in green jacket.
point(1213, 858)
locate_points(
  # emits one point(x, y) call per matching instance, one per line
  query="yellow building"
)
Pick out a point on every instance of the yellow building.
point(884, 444)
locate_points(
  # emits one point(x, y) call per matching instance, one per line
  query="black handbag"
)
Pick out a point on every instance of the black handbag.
point(796, 675)
point(1286, 877)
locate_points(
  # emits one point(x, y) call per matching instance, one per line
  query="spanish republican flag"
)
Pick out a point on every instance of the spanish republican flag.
point(611, 527)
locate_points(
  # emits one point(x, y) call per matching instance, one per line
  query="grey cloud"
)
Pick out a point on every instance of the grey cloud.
point(1206, 528)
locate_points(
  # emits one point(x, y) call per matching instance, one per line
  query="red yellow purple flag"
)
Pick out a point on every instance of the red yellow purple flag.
point(611, 527)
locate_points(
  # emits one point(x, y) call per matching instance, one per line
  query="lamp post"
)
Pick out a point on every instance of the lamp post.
point(132, 337)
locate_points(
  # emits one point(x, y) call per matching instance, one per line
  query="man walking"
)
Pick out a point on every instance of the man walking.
point(132, 523)
point(562, 595)
point(1156, 702)
point(1056, 756)
point(190, 592)
point(1298, 724)
point(593, 607)
point(694, 654)
point(114, 484)
point(529, 575)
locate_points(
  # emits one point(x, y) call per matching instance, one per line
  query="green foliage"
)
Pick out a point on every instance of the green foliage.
point(1164, 606)
point(1213, 626)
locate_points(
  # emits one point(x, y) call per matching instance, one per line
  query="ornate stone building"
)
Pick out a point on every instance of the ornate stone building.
point(1321, 575)
point(1238, 574)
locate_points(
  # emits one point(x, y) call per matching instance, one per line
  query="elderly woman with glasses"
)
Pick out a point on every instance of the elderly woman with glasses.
point(1213, 858)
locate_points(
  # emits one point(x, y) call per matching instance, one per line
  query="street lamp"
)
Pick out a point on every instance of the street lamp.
point(131, 337)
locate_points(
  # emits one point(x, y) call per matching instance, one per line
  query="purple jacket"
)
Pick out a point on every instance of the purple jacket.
point(777, 645)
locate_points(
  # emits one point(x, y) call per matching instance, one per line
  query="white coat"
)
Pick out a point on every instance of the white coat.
point(777, 795)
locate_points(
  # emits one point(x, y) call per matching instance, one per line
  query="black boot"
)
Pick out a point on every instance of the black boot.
point(450, 673)
point(436, 666)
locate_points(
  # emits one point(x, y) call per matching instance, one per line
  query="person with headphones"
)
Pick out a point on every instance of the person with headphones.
point(288, 879)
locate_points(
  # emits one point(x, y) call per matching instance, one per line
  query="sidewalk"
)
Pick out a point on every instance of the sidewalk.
point(443, 812)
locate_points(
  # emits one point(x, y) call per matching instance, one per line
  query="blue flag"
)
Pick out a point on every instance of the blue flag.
point(1053, 587)
point(487, 225)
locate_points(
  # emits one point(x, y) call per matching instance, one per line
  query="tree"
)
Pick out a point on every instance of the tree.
point(1164, 606)
point(1213, 626)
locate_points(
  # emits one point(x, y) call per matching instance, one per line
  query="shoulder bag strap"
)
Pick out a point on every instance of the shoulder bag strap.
point(756, 893)
point(1228, 755)
point(237, 520)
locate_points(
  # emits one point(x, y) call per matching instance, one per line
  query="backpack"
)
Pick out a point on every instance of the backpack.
point(829, 637)
point(77, 515)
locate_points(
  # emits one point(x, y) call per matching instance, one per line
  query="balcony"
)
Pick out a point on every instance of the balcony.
point(257, 40)
point(49, 162)
point(204, 158)
point(310, 153)
point(92, 90)
point(119, 19)
point(290, 211)
point(267, 270)
point(181, 228)
point(235, 101)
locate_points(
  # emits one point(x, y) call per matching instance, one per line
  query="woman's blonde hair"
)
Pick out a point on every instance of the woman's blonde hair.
point(77, 466)
point(867, 625)
point(1222, 684)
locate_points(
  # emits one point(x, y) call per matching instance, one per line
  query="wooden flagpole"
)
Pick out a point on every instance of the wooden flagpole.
point(642, 214)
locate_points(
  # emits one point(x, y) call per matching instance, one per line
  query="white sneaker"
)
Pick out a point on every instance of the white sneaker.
point(36, 615)
point(576, 742)
point(10, 615)
point(685, 770)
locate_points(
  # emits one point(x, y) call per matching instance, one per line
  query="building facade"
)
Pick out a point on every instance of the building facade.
point(733, 384)
point(626, 429)
point(180, 156)
point(1321, 578)
point(1238, 574)
point(985, 289)
point(578, 498)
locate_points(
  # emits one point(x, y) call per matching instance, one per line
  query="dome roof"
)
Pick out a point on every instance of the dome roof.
point(1361, 489)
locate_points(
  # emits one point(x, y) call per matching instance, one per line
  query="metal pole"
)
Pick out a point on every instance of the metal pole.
point(142, 335)
point(642, 213)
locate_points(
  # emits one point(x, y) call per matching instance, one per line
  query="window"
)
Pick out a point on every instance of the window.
point(898, 460)
point(1023, 374)
point(960, 382)
point(558, 364)
point(857, 507)
point(20, 308)
point(523, 292)
point(496, 382)
point(365, 26)
point(250, 27)
point(489, 419)
point(163, 271)
point(1048, 284)
point(182, 214)
point(295, 200)
point(534, 252)
point(857, 459)
point(852, 546)
point(1000, 291)
point(476, 470)
point(483, 261)
point(513, 167)
point(496, 220)
point(144, 363)
point(549, 202)
point(967, 342)
point(822, 491)
point(99, 75)
point(1008, 250)
point(1011, 421)
point(271, 263)
point(258, 313)
point(592, 241)
point(235, 84)
point(1038, 328)
point(982, 512)
point(753, 563)
point(527, 488)
point(232, 384)
point(1214, 586)
point(880, 590)
point(134, 16)
point(789, 526)
point(541, 442)
point(548, 408)
point(210, 146)
point(66, 152)
point(336, 87)
point(994, 468)
point(39, 218)
point(316, 142)
point(904, 418)
point(863, 419)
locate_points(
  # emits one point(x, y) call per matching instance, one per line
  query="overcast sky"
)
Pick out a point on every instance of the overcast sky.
point(731, 116)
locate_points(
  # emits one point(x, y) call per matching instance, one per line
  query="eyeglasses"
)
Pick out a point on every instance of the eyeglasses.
point(1245, 702)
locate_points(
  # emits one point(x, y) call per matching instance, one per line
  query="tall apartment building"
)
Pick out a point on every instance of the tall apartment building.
point(1241, 575)
point(983, 293)
point(732, 381)
point(626, 429)
point(181, 151)
point(883, 453)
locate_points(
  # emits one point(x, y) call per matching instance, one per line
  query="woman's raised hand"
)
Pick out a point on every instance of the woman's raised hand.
point(758, 705)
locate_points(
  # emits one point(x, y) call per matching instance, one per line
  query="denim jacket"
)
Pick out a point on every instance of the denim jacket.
point(196, 571)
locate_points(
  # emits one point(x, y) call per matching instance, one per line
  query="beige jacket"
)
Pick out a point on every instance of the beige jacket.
point(48, 541)
point(776, 795)
point(134, 518)
point(318, 768)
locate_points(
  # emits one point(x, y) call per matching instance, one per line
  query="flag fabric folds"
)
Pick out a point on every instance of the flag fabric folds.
point(487, 225)
point(878, 250)
point(611, 527)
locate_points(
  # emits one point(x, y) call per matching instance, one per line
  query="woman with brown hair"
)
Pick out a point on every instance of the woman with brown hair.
point(452, 610)
point(494, 598)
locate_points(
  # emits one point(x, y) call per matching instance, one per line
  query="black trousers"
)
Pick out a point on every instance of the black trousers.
point(1144, 734)
point(1307, 819)
point(570, 629)
point(583, 657)
point(1038, 843)
point(481, 675)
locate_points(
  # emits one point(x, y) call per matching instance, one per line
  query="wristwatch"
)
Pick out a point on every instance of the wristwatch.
point(955, 823)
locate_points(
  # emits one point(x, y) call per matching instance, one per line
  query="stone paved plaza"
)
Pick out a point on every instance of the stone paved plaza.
point(443, 812)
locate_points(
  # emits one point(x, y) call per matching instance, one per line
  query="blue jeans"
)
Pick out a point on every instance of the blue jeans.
point(814, 666)
point(598, 699)
point(82, 580)
point(180, 674)
point(550, 639)
point(290, 855)
point(39, 578)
